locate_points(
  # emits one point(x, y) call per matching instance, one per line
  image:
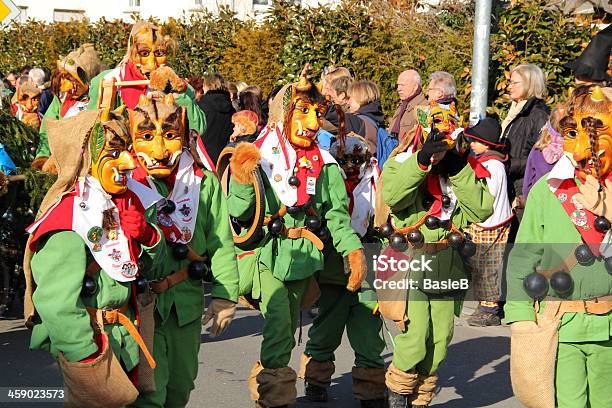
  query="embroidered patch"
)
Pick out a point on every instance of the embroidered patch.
point(112, 235)
point(579, 218)
point(305, 163)
point(96, 248)
point(186, 233)
point(185, 210)
point(278, 178)
point(164, 220)
point(562, 198)
point(311, 185)
point(129, 269)
point(94, 234)
point(275, 150)
point(115, 255)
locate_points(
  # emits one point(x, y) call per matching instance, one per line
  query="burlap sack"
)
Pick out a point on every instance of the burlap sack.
point(533, 355)
point(392, 302)
point(311, 295)
point(101, 383)
point(316, 372)
point(368, 383)
point(146, 312)
point(272, 387)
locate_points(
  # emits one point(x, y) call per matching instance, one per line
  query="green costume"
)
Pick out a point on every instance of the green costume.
point(186, 99)
point(179, 309)
point(545, 237)
point(66, 325)
point(422, 346)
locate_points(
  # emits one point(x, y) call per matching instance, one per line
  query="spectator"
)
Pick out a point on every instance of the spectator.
point(521, 127)
point(250, 101)
point(41, 79)
point(233, 91)
point(254, 89)
point(245, 126)
point(265, 106)
point(12, 79)
point(218, 109)
point(364, 102)
point(329, 75)
point(197, 84)
point(240, 86)
point(411, 96)
point(546, 152)
point(441, 88)
point(491, 235)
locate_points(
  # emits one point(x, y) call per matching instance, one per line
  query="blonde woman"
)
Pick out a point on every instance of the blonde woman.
point(521, 127)
point(364, 102)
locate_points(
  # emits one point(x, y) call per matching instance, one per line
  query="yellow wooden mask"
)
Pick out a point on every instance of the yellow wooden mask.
point(149, 48)
point(108, 147)
point(304, 115)
point(444, 118)
point(587, 133)
point(157, 130)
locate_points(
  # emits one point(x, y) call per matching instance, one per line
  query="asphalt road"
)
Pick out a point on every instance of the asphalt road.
point(476, 373)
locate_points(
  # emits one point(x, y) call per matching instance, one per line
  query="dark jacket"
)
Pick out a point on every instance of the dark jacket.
point(46, 97)
point(521, 134)
point(367, 114)
point(217, 107)
point(351, 122)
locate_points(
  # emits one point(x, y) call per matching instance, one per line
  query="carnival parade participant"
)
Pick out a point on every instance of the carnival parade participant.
point(89, 253)
point(76, 71)
point(195, 223)
point(145, 63)
point(339, 307)
point(491, 235)
point(306, 205)
point(25, 109)
point(565, 233)
point(433, 194)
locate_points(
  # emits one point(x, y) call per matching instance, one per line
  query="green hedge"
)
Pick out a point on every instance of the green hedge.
point(374, 41)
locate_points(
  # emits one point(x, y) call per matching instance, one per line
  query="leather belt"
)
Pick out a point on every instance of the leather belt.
point(112, 316)
point(597, 306)
point(169, 281)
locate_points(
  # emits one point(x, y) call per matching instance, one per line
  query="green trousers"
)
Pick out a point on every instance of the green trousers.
point(280, 307)
point(175, 350)
point(339, 308)
point(424, 343)
point(584, 375)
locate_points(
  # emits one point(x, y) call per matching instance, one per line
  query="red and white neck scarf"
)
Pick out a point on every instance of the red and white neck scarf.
point(81, 211)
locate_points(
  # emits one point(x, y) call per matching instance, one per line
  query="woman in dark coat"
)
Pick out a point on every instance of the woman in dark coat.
point(217, 107)
point(521, 127)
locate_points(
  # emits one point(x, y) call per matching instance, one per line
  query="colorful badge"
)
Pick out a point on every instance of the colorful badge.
point(164, 220)
point(94, 234)
point(579, 218)
point(185, 210)
point(311, 185)
point(562, 198)
point(115, 255)
point(129, 269)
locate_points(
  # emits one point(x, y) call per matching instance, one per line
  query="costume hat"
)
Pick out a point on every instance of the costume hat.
point(594, 60)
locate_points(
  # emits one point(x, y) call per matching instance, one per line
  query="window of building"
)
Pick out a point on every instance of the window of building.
point(198, 2)
point(134, 3)
point(260, 2)
point(68, 15)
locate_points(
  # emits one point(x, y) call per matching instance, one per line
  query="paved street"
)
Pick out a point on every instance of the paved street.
point(476, 373)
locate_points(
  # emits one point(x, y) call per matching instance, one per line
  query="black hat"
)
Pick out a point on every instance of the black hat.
point(594, 60)
point(487, 131)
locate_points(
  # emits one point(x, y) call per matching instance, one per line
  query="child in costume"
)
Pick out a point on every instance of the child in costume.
point(565, 233)
point(340, 308)
point(145, 66)
point(90, 250)
point(195, 223)
point(491, 235)
point(76, 70)
point(433, 194)
point(305, 202)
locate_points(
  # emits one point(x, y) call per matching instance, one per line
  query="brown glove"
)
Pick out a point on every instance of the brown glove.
point(598, 202)
point(222, 312)
point(244, 161)
point(355, 265)
point(50, 165)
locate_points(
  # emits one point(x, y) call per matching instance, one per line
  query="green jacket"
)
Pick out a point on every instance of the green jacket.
point(212, 235)
point(58, 268)
point(295, 259)
point(404, 189)
point(545, 237)
point(197, 120)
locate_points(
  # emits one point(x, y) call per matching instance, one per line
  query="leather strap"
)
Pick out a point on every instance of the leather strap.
point(295, 233)
point(112, 316)
point(597, 306)
point(169, 281)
